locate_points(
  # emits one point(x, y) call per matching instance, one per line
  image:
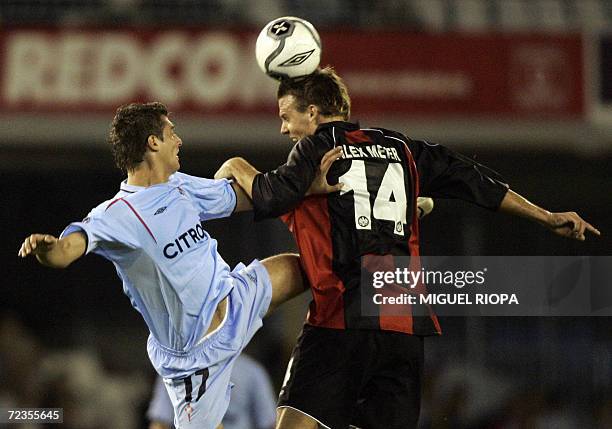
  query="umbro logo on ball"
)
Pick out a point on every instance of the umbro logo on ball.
point(297, 59)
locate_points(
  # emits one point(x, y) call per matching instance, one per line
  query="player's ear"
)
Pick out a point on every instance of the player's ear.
point(313, 112)
point(152, 143)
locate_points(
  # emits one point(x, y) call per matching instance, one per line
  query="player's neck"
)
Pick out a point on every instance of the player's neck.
point(144, 175)
point(325, 119)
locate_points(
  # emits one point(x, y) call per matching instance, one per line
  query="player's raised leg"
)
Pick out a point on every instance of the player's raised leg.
point(286, 277)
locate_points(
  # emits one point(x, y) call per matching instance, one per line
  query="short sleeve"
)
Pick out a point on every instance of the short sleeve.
point(215, 198)
point(105, 230)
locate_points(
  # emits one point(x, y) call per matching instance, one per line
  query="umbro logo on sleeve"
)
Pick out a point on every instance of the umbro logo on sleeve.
point(160, 210)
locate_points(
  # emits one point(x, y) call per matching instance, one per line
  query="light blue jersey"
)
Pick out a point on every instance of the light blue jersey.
point(175, 278)
point(169, 265)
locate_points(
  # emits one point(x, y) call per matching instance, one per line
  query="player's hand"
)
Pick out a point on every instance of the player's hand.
point(319, 184)
point(37, 244)
point(571, 225)
point(424, 206)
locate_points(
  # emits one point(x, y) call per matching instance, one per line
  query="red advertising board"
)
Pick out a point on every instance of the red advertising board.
point(88, 70)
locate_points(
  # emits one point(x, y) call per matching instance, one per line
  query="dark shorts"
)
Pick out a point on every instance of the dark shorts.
point(367, 378)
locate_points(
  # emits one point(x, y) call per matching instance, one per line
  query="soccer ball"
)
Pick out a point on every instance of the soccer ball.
point(288, 47)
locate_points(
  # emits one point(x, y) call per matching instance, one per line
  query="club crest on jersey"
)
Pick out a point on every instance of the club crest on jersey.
point(160, 210)
point(363, 221)
point(399, 227)
point(297, 59)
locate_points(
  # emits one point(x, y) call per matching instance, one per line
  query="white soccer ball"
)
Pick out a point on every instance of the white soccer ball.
point(288, 47)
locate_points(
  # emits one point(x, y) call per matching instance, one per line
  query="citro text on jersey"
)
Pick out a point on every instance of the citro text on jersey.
point(191, 236)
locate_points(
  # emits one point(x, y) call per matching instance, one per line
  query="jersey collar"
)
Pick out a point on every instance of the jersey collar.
point(338, 124)
point(130, 189)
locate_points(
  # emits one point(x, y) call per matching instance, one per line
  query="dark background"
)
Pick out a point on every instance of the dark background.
point(562, 364)
point(70, 338)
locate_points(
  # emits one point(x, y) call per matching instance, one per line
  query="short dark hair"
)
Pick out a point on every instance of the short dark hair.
point(324, 88)
point(131, 127)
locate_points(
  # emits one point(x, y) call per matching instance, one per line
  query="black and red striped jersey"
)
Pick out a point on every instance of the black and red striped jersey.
point(383, 173)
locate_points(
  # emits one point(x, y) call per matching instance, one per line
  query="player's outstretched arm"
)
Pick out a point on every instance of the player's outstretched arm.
point(54, 252)
point(567, 224)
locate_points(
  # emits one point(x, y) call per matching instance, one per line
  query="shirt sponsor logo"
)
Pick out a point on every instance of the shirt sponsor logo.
point(184, 241)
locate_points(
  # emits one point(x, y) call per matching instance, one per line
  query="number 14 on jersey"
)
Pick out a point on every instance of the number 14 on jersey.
point(390, 202)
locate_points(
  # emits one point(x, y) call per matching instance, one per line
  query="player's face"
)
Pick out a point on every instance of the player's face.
point(169, 148)
point(294, 123)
